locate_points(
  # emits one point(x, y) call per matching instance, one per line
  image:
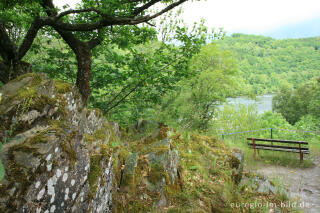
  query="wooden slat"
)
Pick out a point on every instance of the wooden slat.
point(276, 146)
point(282, 149)
point(279, 141)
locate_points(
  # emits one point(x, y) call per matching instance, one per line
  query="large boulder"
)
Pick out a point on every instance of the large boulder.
point(56, 154)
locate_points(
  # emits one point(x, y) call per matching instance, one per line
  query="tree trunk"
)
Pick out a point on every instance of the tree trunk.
point(83, 54)
point(11, 70)
point(11, 65)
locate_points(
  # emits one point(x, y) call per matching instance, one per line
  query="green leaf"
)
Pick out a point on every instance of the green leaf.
point(115, 144)
point(193, 168)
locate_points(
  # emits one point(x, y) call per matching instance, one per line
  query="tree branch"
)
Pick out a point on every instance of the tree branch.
point(29, 38)
point(124, 97)
point(79, 11)
point(108, 20)
point(170, 7)
point(152, 25)
point(69, 38)
point(136, 86)
point(144, 7)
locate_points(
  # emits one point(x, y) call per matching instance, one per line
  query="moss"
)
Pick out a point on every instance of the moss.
point(68, 147)
point(30, 90)
point(40, 138)
point(40, 102)
point(35, 76)
point(100, 134)
point(138, 206)
point(63, 87)
point(26, 92)
point(105, 150)
point(95, 172)
point(156, 174)
point(58, 126)
point(234, 162)
point(89, 138)
point(18, 173)
point(176, 210)
point(62, 105)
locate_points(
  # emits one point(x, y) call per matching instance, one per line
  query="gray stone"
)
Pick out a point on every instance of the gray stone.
point(47, 160)
point(237, 162)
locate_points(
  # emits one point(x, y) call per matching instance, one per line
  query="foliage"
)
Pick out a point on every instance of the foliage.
point(83, 29)
point(268, 64)
point(145, 73)
point(127, 78)
point(236, 119)
point(192, 105)
point(293, 104)
point(274, 120)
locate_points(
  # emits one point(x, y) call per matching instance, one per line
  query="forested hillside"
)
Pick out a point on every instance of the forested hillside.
point(269, 64)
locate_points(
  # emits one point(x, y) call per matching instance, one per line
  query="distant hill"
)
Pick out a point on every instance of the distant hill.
point(268, 64)
point(304, 29)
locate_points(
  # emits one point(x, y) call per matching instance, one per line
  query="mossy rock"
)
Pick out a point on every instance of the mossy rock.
point(48, 164)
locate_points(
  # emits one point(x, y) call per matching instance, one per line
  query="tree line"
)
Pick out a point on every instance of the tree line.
point(267, 64)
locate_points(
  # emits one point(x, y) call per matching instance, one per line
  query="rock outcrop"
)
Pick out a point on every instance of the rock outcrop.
point(60, 157)
point(51, 165)
point(151, 170)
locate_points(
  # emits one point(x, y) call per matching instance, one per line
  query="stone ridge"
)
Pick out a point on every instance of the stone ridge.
point(47, 159)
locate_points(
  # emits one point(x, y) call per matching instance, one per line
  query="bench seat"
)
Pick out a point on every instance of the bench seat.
point(279, 148)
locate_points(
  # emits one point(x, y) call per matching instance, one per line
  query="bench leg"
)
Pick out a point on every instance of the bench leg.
point(301, 154)
point(254, 148)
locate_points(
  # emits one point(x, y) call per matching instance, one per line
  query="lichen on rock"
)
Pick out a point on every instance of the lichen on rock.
point(45, 154)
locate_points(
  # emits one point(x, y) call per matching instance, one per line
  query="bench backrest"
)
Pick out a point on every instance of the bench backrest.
point(278, 141)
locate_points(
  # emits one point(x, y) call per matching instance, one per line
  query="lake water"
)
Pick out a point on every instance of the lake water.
point(262, 103)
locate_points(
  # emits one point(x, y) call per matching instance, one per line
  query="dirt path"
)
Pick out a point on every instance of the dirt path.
point(301, 183)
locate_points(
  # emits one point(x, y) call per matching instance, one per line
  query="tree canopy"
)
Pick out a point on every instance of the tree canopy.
point(83, 29)
point(193, 104)
point(293, 104)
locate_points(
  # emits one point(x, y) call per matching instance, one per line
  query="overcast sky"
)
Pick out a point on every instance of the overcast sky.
point(247, 16)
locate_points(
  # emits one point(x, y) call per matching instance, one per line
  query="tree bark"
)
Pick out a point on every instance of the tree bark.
point(83, 55)
point(10, 70)
point(11, 66)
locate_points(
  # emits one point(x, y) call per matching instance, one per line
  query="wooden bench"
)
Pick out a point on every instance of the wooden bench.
point(296, 149)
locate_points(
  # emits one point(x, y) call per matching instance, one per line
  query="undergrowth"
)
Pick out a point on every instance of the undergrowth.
point(208, 184)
